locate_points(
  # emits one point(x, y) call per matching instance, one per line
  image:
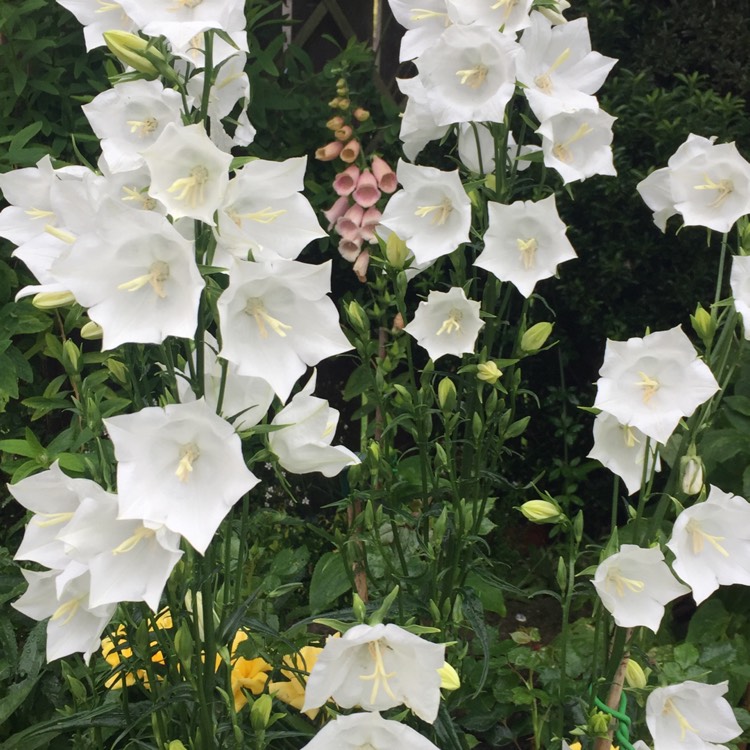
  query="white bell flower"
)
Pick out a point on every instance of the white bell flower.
point(739, 280)
point(524, 243)
point(510, 16)
point(656, 192)
point(129, 117)
point(691, 715)
point(578, 144)
point(180, 466)
point(418, 126)
point(98, 16)
point(447, 323)
point(276, 320)
point(138, 279)
point(423, 24)
point(622, 449)
point(367, 731)
point(432, 214)
point(634, 584)
point(189, 175)
point(711, 543)
point(378, 667)
point(652, 382)
point(469, 75)
point(305, 444)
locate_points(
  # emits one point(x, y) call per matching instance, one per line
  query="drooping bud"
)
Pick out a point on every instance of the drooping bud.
point(335, 123)
point(132, 50)
point(329, 152)
point(541, 511)
point(535, 337)
point(51, 300)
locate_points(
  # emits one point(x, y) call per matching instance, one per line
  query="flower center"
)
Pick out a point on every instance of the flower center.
point(379, 676)
point(38, 213)
point(132, 541)
point(107, 6)
point(67, 610)
point(509, 5)
point(473, 77)
point(442, 211)
point(264, 216)
point(544, 81)
point(257, 309)
point(189, 454)
point(422, 14)
point(562, 151)
point(141, 196)
point(630, 439)
point(650, 386)
point(670, 708)
point(143, 127)
point(528, 249)
point(192, 187)
point(452, 323)
point(187, 4)
point(621, 583)
point(157, 274)
point(724, 189)
point(699, 537)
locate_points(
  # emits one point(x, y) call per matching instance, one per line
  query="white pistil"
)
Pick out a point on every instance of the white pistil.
point(724, 189)
point(621, 583)
point(189, 454)
point(264, 216)
point(132, 541)
point(528, 249)
point(670, 708)
point(473, 77)
point(544, 81)
point(38, 213)
point(107, 6)
point(561, 151)
point(650, 386)
point(630, 439)
point(191, 187)
point(510, 4)
point(143, 127)
point(51, 519)
point(257, 310)
point(379, 676)
point(422, 14)
point(157, 274)
point(698, 537)
point(60, 234)
point(451, 323)
point(442, 211)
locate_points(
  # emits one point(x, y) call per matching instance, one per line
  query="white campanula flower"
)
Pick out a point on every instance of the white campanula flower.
point(423, 24)
point(634, 584)
point(739, 280)
point(652, 382)
point(304, 445)
point(369, 731)
point(622, 449)
point(578, 144)
point(138, 279)
point(447, 323)
point(509, 16)
point(378, 667)
point(691, 715)
point(189, 174)
point(129, 117)
point(276, 320)
point(524, 243)
point(432, 214)
point(98, 16)
point(180, 466)
point(63, 597)
point(469, 75)
point(476, 148)
point(711, 543)
point(656, 192)
point(418, 126)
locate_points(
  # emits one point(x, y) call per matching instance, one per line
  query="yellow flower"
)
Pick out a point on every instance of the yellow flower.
point(449, 679)
point(489, 372)
point(292, 690)
point(247, 674)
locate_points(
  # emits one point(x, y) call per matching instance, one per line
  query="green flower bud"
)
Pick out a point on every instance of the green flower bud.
point(535, 337)
point(91, 331)
point(635, 677)
point(692, 474)
point(703, 324)
point(396, 251)
point(541, 511)
point(449, 679)
point(357, 316)
point(260, 713)
point(130, 49)
point(489, 372)
point(51, 300)
point(447, 395)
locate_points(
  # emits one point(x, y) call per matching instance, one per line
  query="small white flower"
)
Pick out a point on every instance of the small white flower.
point(510, 16)
point(98, 16)
point(691, 715)
point(378, 667)
point(423, 25)
point(447, 323)
point(739, 280)
point(418, 126)
point(634, 584)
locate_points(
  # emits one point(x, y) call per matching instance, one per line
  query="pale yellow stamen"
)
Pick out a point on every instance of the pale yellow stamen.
point(191, 188)
point(134, 194)
point(379, 676)
point(67, 610)
point(650, 386)
point(143, 127)
point(257, 309)
point(561, 151)
point(510, 4)
point(544, 80)
point(451, 323)
point(630, 439)
point(157, 274)
point(442, 212)
point(51, 519)
point(186, 4)
point(473, 77)
point(621, 583)
point(60, 234)
point(106, 6)
point(264, 216)
point(528, 249)
point(670, 708)
point(422, 14)
point(699, 537)
point(724, 189)
point(132, 541)
point(38, 213)
point(188, 456)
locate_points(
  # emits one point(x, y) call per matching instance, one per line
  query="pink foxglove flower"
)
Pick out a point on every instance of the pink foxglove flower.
point(711, 543)
point(652, 382)
point(330, 151)
point(378, 667)
point(386, 177)
point(345, 182)
point(336, 211)
point(447, 323)
point(350, 152)
point(691, 715)
point(634, 584)
point(370, 221)
point(180, 466)
point(524, 243)
point(367, 193)
point(348, 226)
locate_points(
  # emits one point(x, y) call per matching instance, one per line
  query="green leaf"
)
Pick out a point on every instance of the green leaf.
point(329, 581)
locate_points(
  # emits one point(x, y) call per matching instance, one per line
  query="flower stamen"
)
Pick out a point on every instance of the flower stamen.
point(189, 454)
point(51, 519)
point(451, 323)
point(561, 151)
point(379, 676)
point(257, 309)
point(60, 234)
point(670, 708)
point(528, 249)
point(157, 274)
point(621, 583)
point(422, 14)
point(134, 194)
point(443, 210)
point(630, 439)
point(67, 610)
point(132, 541)
point(191, 188)
point(544, 81)
point(650, 386)
point(724, 189)
point(698, 537)
point(143, 127)
point(264, 216)
point(473, 77)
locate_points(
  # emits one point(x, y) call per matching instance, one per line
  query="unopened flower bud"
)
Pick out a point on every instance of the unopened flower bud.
point(692, 474)
point(599, 723)
point(541, 511)
point(361, 115)
point(344, 133)
point(176, 745)
point(51, 300)
point(703, 324)
point(396, 251)
point(357, 316)
point(535, 337)
point(489, 372)
point(447, 395)
point(334, 103)
point(91, 331)
point(260, 713)
point(131, 50)
point(398, 322)
point(449, 679)
point(635, 677)
point(344, 103)
point(335, 123)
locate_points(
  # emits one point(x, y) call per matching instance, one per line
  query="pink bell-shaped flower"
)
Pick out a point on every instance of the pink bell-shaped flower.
point(367, 193)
